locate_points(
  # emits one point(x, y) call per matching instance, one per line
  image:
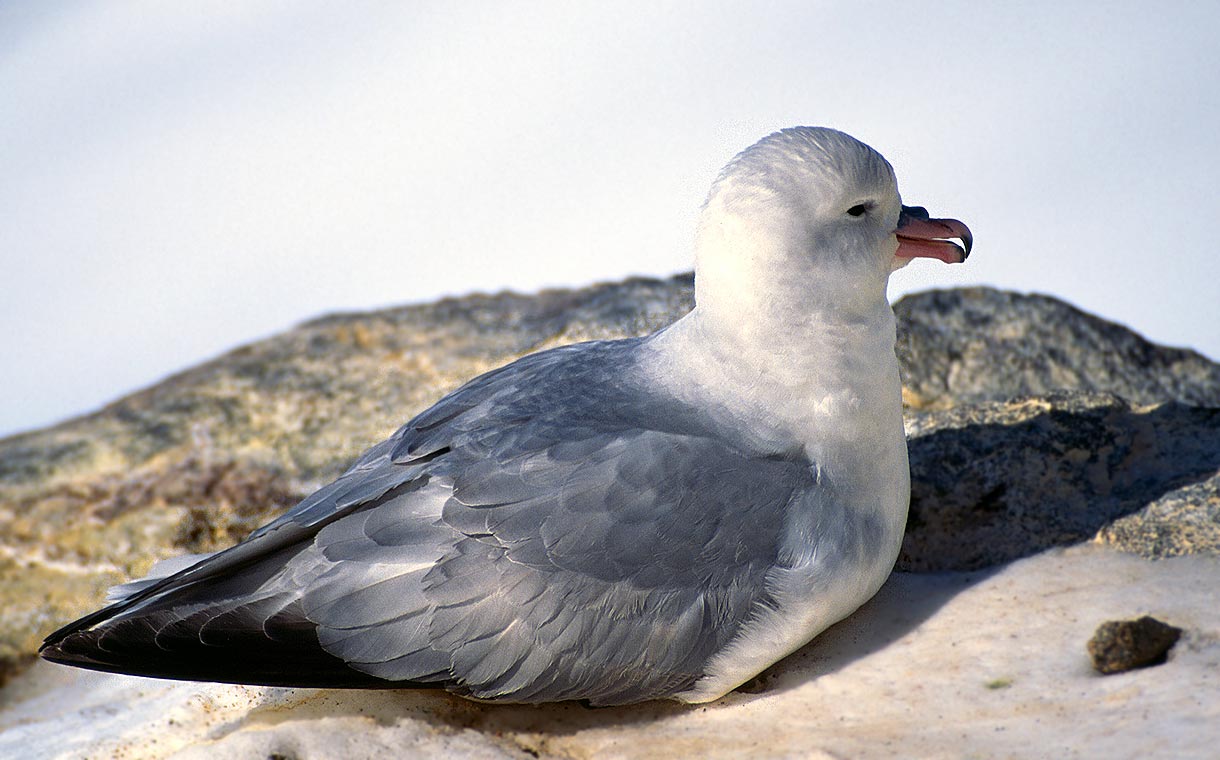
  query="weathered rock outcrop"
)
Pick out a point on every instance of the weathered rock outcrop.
point(995, 481)
point(979, 344)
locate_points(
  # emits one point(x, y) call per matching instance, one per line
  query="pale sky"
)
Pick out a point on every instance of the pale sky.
point(177, 179)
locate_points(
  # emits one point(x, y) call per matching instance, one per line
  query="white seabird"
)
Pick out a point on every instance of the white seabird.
point(613, 521)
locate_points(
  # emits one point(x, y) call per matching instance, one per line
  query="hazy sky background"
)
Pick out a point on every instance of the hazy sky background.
point(180, 178)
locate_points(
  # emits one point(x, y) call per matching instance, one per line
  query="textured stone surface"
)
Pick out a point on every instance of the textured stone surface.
point(994, 481)
point(1122, 645)
point(979, 344)
point(1183, 521)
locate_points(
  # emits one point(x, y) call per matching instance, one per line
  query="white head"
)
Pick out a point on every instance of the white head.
point(802, 226)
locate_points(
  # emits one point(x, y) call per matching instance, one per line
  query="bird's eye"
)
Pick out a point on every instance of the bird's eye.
point(860, 209)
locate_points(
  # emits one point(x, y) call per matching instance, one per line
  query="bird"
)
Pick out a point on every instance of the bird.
point(660, 517)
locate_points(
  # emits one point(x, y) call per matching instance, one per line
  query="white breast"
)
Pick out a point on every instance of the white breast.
point(840, 541)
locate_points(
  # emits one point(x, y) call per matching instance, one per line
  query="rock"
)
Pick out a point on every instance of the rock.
point(1183, 521)
point(1122, 645)
point(979, 344)
point(994, 481)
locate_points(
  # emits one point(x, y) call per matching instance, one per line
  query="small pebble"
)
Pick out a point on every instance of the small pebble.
point(1122, 645)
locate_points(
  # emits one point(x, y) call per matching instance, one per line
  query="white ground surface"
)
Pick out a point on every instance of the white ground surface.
point(980, 665)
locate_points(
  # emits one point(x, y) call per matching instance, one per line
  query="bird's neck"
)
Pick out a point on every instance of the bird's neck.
point(790, 336)
point(786, 381)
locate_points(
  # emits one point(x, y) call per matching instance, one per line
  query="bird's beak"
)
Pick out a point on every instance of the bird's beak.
point(920, 236)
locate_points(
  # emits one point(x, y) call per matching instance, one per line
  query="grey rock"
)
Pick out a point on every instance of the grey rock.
point(1183, 521)
point(979, 344)
point(994, 481)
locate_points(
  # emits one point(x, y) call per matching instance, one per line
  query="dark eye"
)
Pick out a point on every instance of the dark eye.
point(860, 209)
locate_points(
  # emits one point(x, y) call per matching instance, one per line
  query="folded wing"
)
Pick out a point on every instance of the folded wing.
point(546, 532)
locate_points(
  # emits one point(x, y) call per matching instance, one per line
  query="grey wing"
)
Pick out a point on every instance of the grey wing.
point(608, 567)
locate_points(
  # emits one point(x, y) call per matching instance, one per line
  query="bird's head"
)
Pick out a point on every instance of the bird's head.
point(810, 220)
